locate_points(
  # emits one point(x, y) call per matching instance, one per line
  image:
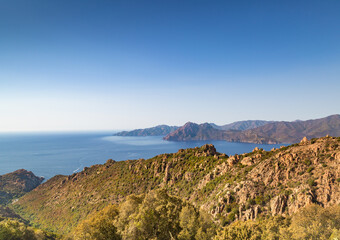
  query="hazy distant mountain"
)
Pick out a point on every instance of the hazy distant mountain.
point(159, 130)
point(242, 125)
point(162, 130)
point(192, 131)
point(289, 132)
point(274, 132)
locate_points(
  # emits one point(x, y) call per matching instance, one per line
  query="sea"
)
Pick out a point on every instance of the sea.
point(50, 154)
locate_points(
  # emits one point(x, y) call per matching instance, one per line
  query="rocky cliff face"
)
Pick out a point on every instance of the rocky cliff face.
point(276, 182)
point(281, 181)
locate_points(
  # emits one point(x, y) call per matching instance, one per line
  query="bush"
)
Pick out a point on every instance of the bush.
point(308, 162)
point(312, 222)
point(311, 182)
point(315, 222)
point(15, 230)
point(153, 216)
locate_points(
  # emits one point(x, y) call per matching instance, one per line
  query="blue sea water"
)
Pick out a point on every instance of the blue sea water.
point(49, 154)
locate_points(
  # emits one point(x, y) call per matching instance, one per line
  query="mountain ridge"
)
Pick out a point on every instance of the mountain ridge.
point(270, 132)
point(159, 130)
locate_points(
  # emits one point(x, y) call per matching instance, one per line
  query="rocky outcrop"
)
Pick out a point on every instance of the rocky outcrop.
point(281, 181)
point(278, 205)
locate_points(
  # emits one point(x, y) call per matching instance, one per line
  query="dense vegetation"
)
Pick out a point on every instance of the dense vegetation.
point(312, 222)
point(15, 230)
point(160, 216)
point(155, 215)
point(12, 227)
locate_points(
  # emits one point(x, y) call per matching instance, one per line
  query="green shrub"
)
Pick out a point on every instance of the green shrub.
point(311, 182)
point(312, 222)
point(308, 162)
point(153, 216)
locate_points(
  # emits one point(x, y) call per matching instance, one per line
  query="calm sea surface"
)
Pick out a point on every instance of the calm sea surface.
point(65, 153)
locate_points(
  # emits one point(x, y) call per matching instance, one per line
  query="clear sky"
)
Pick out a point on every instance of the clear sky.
point(92, 65)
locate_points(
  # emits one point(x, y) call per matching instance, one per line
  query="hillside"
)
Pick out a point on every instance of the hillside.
point(160, 130)
point(16, 184)
point(192, 131)
point(266, 183)
point(274, 132)
point(195, 132)
point(289, 132)
point(244, 125)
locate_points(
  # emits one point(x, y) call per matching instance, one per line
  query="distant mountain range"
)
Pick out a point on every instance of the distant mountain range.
point(242, 125)
point(162, 130)
point(250, 131)
point(159, 130)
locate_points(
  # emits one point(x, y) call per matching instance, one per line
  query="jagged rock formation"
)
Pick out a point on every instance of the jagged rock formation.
point(276, 182)
point(16, 184)
point(159, 130)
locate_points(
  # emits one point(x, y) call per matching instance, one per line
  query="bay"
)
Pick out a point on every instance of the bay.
point(49, 154)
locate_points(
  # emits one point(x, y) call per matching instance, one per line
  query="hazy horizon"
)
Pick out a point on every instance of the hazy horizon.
point(122, 65)
point(114, 130)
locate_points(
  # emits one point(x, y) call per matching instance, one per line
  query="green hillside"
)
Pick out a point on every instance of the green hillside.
point(254, 185)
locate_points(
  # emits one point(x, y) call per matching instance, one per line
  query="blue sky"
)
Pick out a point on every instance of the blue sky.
point(94, 65)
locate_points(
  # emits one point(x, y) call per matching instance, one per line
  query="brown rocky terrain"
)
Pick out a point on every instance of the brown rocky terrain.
point(276, 182)
point(281, 181)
